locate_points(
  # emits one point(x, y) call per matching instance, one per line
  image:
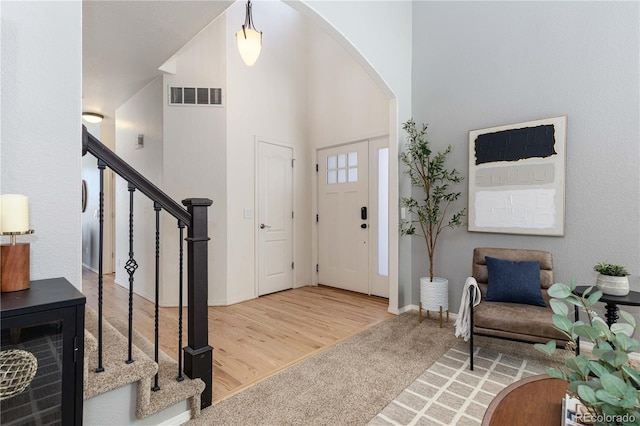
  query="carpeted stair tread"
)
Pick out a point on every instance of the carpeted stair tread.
point(148, 402)
point(117, 373)
point(171, 391)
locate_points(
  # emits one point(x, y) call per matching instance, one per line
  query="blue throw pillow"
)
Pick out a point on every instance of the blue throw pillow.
point(514, 282)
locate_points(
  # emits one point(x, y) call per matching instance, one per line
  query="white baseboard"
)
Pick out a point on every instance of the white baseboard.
point(177, 420)
point(95, 271)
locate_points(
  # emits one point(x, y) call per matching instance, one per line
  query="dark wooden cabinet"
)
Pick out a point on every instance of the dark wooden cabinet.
point(47, 320)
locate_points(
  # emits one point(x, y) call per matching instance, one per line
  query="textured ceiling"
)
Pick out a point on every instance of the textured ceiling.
point(124, 43)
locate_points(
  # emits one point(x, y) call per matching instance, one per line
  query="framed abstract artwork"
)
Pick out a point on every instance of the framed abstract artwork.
point(517, 178)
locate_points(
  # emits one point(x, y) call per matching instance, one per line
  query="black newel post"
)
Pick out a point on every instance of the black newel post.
point(198, 355)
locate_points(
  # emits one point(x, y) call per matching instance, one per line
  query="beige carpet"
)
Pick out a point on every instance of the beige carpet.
point(117, 373)
point(351, 382)
point(348, 383)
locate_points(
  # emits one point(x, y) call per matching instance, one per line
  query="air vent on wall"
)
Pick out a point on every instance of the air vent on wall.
point(195, 96)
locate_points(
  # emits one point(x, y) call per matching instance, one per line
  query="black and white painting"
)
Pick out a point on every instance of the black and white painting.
point(517, 178)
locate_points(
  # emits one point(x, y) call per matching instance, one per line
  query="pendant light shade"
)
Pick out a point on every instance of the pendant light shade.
point(249, 39)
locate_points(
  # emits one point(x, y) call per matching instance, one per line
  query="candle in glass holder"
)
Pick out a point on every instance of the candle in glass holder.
point(14, 213)
point(14, 258)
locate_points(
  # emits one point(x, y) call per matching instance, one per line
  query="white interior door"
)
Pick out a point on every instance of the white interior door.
point(275, 218)
point(343, 208)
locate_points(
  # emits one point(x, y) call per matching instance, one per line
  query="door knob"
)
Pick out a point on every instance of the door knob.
point(262, 226)
point(363, 226)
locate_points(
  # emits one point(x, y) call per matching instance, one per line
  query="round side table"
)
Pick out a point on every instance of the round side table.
point(612, 302)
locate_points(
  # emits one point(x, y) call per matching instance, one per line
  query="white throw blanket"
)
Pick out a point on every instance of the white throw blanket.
point(462, 322)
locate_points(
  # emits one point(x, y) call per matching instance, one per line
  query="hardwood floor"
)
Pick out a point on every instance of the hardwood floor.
point(255, 339)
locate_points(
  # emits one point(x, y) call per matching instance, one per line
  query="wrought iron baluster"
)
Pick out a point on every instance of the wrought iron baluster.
point(101, 167)
point(131, 267)
point(180, 284)
point(157, 208)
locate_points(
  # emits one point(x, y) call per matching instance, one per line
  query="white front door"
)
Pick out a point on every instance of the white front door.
point(343, 217)
point(275, 218)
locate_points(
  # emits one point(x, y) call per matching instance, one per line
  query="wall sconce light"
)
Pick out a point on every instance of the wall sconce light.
point(92, 117)
point(249, 40)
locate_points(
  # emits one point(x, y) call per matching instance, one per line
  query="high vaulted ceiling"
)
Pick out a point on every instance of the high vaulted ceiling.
point(124, 43)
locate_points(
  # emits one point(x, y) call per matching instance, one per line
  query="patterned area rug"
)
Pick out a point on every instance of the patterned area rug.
point(448, 393)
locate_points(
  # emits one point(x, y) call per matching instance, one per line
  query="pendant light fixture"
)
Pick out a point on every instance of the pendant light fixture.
point(249, 40)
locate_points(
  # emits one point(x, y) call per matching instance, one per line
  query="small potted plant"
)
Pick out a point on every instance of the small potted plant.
point(612, 279)
point(607, 383)
point(429, 210)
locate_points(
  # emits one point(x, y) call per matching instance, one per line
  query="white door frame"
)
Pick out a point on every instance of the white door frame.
point(256, 205)
point(378, 284)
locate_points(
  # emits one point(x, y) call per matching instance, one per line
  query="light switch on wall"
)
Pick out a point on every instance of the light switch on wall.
point(403, 213)
point(248, 214)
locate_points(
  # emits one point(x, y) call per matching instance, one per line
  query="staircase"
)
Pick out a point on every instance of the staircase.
point(118, 373)
point(122, 369)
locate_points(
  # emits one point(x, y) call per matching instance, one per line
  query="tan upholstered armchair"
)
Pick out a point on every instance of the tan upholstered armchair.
point(514, 321)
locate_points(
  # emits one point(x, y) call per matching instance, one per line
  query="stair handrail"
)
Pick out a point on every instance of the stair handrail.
point(99, 150)
point(198, 354)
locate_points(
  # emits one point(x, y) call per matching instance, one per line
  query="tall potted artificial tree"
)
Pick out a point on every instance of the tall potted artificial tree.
point(428, 208)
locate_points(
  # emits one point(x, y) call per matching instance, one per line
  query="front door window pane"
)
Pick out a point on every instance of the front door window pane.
point(383, 211)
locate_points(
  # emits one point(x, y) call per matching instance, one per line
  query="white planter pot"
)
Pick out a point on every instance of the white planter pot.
point(613, 286)
point(434, 295)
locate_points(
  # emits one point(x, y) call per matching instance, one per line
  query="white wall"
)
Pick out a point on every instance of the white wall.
point(344, 103)
point(267, 100)
point(480, 64)
point(194, 155)
point(142, 114)
point(270, 100)
point(379, 35)
point(41, 128)
point(90, 220)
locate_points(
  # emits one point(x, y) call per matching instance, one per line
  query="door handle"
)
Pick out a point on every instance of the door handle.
point(262, 226)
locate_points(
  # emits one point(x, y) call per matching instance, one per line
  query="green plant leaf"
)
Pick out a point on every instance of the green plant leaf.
point(558, 307)
point(610, 410)
point(630, 397)
point(574, 300)
point(615, 358)
point(549, 348)
point(628, 318)
point(587, 394)
point(625, 343)
point(593, 298)
point(587, 332)
point(622, 328)
point(613, 385)
point(559, 291)
point(572, 283)
point(633, 374)
point(597, 368)
point(579, 364)
point(555, 373)
point(562, 323)
point(572, 385)
point(599, 324)
point(587, 291)
point(605, 346)
point(607, 397)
